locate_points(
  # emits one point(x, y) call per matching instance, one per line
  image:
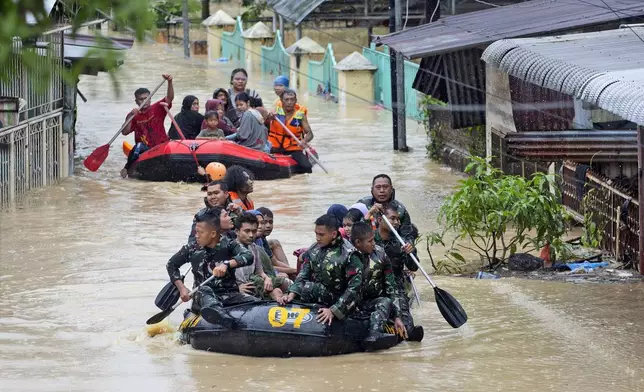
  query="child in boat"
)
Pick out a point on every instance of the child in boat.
point(251, 132)
point(212, 132)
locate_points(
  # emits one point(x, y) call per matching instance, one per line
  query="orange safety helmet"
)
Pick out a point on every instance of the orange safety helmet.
point(216, 171)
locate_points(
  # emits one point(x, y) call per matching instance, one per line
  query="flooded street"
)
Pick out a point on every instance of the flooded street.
point(82, 262)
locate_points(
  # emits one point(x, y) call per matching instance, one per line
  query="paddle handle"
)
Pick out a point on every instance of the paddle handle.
point(176, 126)
point(413, 257)
point(299, 143)
point(180, 301)
point(129, 119)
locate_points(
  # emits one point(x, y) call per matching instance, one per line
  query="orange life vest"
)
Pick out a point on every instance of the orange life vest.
point(279, 138)
point(245, 205)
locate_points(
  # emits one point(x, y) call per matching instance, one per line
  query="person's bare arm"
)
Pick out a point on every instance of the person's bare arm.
point(308, 133)
point(128, 128)
point(169, 95)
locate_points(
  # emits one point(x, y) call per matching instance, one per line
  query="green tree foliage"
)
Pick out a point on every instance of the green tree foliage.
point(500, 213)
point(24, 22)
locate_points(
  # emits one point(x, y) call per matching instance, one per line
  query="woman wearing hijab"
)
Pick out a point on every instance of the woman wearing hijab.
point(189, 119)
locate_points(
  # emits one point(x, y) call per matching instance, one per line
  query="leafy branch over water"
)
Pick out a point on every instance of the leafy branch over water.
point(494, 214)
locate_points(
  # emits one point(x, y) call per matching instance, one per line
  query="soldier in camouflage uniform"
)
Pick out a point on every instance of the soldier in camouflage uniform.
point(399, 256)
point(380, 295)
point(217, 196)
point(331, 274)
point(216, 255)
point(384, 194)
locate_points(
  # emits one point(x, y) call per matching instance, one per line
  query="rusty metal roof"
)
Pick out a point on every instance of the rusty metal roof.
point(604, 68)
point(519, 20)
point(581, 145)
point(294, 10)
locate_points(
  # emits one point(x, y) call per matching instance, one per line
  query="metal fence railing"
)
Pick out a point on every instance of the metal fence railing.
point(615, 212)
point(31, 136)
point(30, 156)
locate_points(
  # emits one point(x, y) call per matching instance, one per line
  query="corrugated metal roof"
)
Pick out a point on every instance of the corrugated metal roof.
point(518, 20)
point(604, 68)
point(79, 46)
point(294, 10)
point(581, 145)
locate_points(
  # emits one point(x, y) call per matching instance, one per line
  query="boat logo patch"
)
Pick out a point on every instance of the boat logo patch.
point(279, 316)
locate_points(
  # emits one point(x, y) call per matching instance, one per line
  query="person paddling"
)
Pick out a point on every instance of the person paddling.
point(147, 123)
point(293, 116)
point(215, 255)
point(383, 193)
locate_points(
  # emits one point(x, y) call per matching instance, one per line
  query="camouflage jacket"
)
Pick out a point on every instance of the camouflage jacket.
point(399, 259)
point(379, 279)
point(203, 260)
point(407, 231)
point(338, 268)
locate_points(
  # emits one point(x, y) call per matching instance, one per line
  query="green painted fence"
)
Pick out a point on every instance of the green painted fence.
point(322, 72)
point(275, 60)
point(232, 44)
point(382, 81)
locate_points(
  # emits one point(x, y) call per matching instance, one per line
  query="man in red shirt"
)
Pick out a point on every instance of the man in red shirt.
point(147, 123)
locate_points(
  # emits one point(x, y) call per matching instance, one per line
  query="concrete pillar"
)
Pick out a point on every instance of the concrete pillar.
point(303, 51)
point(254, 38)
point(215, 25)
point(355, 78)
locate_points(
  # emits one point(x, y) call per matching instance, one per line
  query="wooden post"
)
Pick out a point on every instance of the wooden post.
point(640, 193)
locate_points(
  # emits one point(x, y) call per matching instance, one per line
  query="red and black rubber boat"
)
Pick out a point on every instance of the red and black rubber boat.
point(173, 161)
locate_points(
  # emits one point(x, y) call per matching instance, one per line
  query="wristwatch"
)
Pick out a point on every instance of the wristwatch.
point(227, 264)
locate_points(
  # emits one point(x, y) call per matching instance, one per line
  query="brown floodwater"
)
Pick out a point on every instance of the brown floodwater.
point(82, 261)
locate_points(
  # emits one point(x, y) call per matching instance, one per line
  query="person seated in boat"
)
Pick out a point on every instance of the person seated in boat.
point(189, 120)
point(216, 196)
point(224, 124)
point(352, 217)
point(215, 255)
point(230, 111)
point(380, 297)
point(253, 279)
point(280, 84)
point(147, 123)
point(293, 116)
point(240, 184)
point(400, 259)
point(212, 130)
point(331, 275)
point(274, 248)
point(251, 132)
point(238, 82)
point(383, 193)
